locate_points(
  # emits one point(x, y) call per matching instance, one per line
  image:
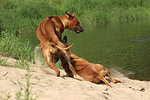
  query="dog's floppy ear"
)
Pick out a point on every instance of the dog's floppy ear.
point(64, 39)
point(69, 15)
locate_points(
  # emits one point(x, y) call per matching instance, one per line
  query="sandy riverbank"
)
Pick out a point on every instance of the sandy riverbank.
point(50, 87)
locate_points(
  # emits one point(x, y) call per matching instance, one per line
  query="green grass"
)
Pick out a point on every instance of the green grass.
point(10, 45)
point(7, 96)
point(3, 62)
point(23, 17)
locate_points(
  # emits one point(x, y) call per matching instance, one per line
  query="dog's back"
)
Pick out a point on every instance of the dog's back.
point(48, 29)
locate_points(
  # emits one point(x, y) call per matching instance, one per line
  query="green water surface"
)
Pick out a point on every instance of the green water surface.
point(121, 46)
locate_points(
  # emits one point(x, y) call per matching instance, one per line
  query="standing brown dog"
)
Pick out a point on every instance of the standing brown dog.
point(88, 71)
point(49, 33)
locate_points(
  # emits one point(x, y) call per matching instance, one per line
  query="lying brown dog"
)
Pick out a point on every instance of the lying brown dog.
point(49, 33)
point(88, 71)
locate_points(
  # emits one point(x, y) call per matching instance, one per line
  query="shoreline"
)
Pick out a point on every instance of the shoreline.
point(48, 87)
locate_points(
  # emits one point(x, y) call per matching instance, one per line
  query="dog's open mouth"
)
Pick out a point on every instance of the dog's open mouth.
point(78, 31)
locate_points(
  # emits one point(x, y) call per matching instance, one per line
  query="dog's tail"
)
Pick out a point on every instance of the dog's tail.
point(64, 48)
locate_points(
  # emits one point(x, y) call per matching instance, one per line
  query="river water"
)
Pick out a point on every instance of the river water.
point(121, 46)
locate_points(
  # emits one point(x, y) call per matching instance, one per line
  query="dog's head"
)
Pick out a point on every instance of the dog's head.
point(74, 24)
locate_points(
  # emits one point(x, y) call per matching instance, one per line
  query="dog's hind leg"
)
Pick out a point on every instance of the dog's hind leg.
point(103, 79)
point(48, 57)
point(55, 58)
point(113, 79)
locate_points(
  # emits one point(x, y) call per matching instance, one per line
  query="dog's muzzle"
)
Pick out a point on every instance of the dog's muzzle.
point(78, 31)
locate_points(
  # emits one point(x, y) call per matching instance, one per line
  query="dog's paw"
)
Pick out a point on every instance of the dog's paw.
point(78, 77)
point(40, 48)
point(117, 81)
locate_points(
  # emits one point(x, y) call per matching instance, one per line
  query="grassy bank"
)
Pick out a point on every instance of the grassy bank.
point(10, 45)
point(24, 16)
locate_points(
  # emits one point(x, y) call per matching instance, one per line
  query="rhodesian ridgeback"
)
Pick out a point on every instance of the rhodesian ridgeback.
point(88, 71)
point(49, 33)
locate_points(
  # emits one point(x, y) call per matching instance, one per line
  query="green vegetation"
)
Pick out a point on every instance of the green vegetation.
point(3, 62)
point(23, 17)
point(7, 96)
point(11, 46)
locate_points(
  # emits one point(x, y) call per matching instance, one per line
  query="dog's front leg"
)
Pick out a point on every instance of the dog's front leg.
point(75, 75)
point(66, 56)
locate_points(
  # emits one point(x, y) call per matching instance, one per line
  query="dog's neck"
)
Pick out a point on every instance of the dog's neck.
point(65, 21)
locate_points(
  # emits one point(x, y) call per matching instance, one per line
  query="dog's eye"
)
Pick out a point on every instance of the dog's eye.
point(78, 23)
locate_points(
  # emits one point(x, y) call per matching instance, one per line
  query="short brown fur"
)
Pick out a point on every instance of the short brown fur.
point(49, 33)
point(88, 71)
